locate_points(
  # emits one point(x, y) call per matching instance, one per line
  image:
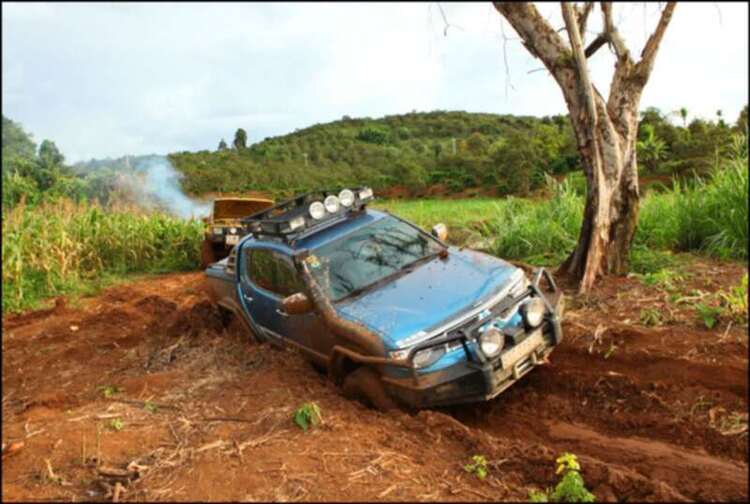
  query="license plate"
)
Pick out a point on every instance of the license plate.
point(233, 239)
point(522, 349)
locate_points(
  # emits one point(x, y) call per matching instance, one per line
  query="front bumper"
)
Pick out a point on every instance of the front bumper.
point(478, 378)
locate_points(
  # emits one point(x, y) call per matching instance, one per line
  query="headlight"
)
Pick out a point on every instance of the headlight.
point(428, 357)
point(346, 197)
point(491, 342)
point(317, 210)
point(532, 312)
point(332, 204)
point(423, 358)
point(218, 230)
point(233, 230)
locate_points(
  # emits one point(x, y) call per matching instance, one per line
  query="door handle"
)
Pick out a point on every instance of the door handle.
point(282, 312)
point(247, 298)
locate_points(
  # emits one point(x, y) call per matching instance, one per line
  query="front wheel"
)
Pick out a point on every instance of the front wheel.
point(365, 386)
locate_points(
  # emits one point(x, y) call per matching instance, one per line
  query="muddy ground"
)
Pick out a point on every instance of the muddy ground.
point(188, 409)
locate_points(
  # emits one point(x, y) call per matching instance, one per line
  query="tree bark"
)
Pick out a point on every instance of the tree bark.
point(606, 131)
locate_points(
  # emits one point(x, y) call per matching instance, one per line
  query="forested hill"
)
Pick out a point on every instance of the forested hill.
point(419, 153)
point(454, 150)
point(447, 151)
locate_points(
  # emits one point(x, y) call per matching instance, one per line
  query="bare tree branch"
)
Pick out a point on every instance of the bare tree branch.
point(583, 17)
point(445, 21)
point(580, 59)
point(535, 32)
point(612, 34)
point(505, 59)
point(652, 44)
point(594, 46)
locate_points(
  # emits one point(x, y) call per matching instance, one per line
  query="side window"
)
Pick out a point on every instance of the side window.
point(268, 271)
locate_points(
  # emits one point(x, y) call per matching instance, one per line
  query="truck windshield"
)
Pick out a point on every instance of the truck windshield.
point(371, 254)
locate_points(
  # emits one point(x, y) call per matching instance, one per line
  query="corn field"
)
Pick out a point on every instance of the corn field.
point(57, 248)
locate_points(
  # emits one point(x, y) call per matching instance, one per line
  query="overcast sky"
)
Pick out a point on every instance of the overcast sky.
point(109, 79)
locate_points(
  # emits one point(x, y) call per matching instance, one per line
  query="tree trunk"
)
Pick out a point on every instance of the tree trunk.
point(608, 156)
point(606, 130)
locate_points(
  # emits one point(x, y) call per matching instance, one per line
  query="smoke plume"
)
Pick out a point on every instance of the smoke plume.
point(148, 181)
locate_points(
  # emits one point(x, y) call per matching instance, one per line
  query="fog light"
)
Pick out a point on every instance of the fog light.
point(317, 210)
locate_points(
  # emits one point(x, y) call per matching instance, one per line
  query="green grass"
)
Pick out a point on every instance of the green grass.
point(708, 216)
point(65, 248)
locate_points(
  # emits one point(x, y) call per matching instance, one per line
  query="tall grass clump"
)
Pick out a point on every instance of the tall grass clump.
point(540, 232)
point(60, 247)
point(706, 215)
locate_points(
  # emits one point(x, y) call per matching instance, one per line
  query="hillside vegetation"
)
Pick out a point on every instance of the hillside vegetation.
point(502, 154)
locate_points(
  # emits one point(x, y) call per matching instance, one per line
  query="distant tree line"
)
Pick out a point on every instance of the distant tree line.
point(450, 151)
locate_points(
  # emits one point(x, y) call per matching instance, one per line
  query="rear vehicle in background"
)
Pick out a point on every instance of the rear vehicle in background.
point(224, 226)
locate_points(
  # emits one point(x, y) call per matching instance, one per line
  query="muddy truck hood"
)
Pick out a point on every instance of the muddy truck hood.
point(433, 293)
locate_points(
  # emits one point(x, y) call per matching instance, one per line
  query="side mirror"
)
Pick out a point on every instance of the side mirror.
point(296, 304)
point(440, 231)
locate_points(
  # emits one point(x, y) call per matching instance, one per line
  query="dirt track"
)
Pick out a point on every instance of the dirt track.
point(652, 413)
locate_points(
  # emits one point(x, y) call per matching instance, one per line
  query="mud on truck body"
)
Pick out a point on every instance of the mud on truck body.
point(394, 314)
point(224, 226)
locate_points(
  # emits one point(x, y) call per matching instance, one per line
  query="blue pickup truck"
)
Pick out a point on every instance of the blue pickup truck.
point(394, 314)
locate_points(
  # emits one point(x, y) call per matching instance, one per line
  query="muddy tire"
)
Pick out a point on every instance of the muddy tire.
point(207, 254)
point(364, 385)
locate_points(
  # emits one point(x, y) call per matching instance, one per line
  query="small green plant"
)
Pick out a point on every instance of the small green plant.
point(109, 391)
point(116, 424)
point(664, 278)
point(708, 314)
point(610, 351)
point(308, 414)
point(478, 466)
point(734, 301)
point(570, 488)
point(150, 407)
point(651, 317)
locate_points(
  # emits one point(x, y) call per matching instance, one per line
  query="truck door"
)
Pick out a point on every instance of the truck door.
point(267, 278)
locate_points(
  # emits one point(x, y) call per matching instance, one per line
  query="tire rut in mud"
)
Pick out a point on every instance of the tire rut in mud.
point(629, 419)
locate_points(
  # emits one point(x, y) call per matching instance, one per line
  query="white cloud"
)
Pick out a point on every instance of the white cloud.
point(104, 79)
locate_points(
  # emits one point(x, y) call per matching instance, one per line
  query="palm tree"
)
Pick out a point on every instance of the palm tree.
point(684, 114)
point(650, 148)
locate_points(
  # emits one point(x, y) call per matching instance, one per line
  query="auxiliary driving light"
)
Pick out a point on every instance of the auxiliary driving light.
point(331, 204)
point(365, 193)
point(317, 210)
point(532, 312)
point(492, 341)
point(346, 197)
point(296, 223)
